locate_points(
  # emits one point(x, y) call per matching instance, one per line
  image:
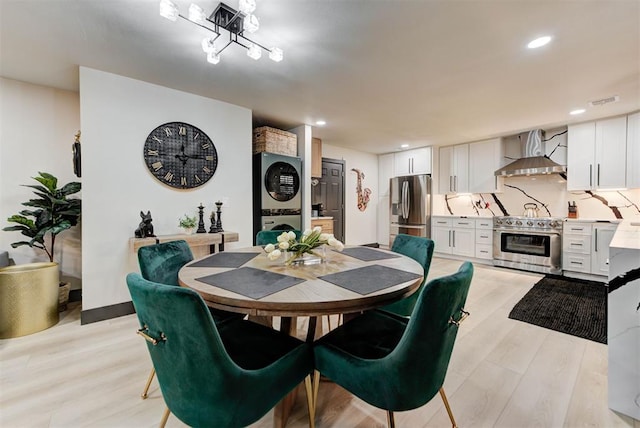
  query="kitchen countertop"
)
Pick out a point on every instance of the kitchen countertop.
point(627, 235)
point(321, 218)
point(591, 220)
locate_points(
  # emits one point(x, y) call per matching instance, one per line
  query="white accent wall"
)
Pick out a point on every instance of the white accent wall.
point(37, 128)
point(117, 114)
point(360, 226)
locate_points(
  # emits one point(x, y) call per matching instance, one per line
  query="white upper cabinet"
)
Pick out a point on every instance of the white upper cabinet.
point(385, 172)
point(596, 155)
point(633, 151)
point(453, 176)
point(485, 158)
point(410, 162)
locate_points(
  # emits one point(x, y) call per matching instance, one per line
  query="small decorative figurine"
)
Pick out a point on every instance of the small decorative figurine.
point(201, 228)
point(145, 228)
point(218, 223)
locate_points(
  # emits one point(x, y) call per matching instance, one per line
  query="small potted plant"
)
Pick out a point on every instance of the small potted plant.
point(187, 224)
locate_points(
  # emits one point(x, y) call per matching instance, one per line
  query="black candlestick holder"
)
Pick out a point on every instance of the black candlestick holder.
point(201, 228)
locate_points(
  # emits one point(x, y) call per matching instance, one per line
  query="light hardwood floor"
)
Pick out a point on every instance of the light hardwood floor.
point(503, 373)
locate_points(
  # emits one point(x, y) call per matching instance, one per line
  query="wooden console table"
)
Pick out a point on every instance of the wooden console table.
point(201, 244)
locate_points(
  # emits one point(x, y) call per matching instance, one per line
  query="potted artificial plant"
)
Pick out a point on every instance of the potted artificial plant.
point(187, 224)
point(50, 213)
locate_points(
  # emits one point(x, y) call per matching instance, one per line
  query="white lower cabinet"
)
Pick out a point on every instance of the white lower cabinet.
point(585, 247)
point(484, 238)
point(465, 237)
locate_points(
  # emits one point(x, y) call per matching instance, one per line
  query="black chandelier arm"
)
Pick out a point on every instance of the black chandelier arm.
point(251, 41)
point(201, 25)
point(224, 47)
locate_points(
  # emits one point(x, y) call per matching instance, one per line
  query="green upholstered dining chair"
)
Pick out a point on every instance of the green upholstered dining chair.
point(265, 237)
point(160, 263)
point(421, 250)
point(397, 363)
point(215, 376)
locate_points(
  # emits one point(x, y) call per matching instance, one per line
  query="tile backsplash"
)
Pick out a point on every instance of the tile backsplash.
point(549, 192)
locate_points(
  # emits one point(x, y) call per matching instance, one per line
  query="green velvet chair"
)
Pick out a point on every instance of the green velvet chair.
point(160, 263)
point(397, 363)
point(421, 250)
point(265, 237)
point(215, 376)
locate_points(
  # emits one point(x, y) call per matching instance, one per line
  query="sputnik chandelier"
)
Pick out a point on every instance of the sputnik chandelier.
point(235, 22)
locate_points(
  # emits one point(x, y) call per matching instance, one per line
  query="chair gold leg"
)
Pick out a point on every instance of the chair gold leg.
point(146, 387)
point(446, 405)
point(391, 423)
point(310, 401)
point(165, 417)
point(316, 386)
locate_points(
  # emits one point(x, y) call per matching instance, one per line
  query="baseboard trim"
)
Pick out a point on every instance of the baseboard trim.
point(106, 312)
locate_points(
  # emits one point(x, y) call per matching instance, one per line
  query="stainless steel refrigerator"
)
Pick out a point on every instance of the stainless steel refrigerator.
point(410, 206)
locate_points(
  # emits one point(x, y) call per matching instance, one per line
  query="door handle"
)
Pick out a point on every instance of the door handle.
point(449, 238)
point(455, 185)
point(596, 240)
point(454, 238)
point(409, 166)
point(590, 175)
point(598, 180)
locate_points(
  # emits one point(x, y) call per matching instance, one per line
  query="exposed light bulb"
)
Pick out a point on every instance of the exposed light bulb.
point(168, 10)
point(251, 23)
point(577, 111)
point(208, 44)
point(213, 57)
point(196, 14)
point(321, 122)
point(254, 51)
point(276, 54)
point(247, 6)
point(404, 146)
point(540, 41)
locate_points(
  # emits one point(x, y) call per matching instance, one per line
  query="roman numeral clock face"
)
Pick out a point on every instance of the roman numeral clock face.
point(180, 155)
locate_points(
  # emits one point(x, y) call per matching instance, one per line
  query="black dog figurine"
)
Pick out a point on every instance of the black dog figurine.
point(145, 229)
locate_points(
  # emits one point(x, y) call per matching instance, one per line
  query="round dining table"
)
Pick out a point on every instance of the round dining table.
point(313, 294)
point(349, 282)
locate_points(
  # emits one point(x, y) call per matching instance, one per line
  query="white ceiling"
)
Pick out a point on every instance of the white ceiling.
point(381, 73)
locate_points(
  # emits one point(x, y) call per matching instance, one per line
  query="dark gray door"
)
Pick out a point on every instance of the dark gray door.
point(330, 192)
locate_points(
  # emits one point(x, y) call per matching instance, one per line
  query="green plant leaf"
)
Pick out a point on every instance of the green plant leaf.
point(48, 180)
point(41, 189)
point(71, 188)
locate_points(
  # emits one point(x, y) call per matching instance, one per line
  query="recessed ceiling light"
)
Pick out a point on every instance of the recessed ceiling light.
point(540, 41)
point(404, 146)
point(577, 111)
point(321, 122)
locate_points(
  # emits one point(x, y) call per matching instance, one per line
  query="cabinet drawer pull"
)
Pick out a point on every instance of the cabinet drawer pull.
point(484, 251)
point(484, 236)
point(579, 229)
point(576, 263)
point(462, 222)
point(573, 244)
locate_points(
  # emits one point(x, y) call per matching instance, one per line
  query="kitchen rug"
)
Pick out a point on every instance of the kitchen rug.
point(572, 306)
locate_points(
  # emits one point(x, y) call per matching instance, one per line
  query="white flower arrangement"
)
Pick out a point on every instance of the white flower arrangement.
point(310, 240)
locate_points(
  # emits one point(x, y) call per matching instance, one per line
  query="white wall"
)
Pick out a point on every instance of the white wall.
point(37, 128)
point(360, 226)
point(117, 115)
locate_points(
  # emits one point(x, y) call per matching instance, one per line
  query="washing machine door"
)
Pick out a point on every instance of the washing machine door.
point(282, 181)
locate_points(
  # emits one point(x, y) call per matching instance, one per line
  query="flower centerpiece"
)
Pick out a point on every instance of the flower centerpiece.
point(311, 239)
point(187, 223)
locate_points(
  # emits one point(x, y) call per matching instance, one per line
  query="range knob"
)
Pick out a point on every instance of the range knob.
point(509, 222)
point(518, 223)
point(498, 221)
point(553, 224)
point(541, 223)
point(529, 223)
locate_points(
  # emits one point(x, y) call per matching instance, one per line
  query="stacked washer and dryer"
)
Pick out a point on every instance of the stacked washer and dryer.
point(277, 192)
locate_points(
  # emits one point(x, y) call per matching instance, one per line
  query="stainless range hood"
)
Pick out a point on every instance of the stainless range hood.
point(533, 160)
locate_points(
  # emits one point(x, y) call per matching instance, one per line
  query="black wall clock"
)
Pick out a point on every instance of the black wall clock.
point(180, 155)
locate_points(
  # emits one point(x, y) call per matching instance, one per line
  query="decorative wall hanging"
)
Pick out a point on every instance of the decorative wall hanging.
point(363, 194)
point(77, 164)
point(180, 155)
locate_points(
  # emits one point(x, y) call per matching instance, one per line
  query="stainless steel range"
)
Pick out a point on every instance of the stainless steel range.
point(528, 243)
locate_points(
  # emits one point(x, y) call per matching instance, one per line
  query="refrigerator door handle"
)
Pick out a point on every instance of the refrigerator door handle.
point(405, 199)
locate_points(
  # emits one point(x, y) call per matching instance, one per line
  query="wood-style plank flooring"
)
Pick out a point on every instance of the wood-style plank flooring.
point(503, 373)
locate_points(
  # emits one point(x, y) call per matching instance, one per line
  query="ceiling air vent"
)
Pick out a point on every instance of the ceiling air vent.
point(604, 101)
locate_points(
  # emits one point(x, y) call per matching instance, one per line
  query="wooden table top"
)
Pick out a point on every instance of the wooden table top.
point(313, 297)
